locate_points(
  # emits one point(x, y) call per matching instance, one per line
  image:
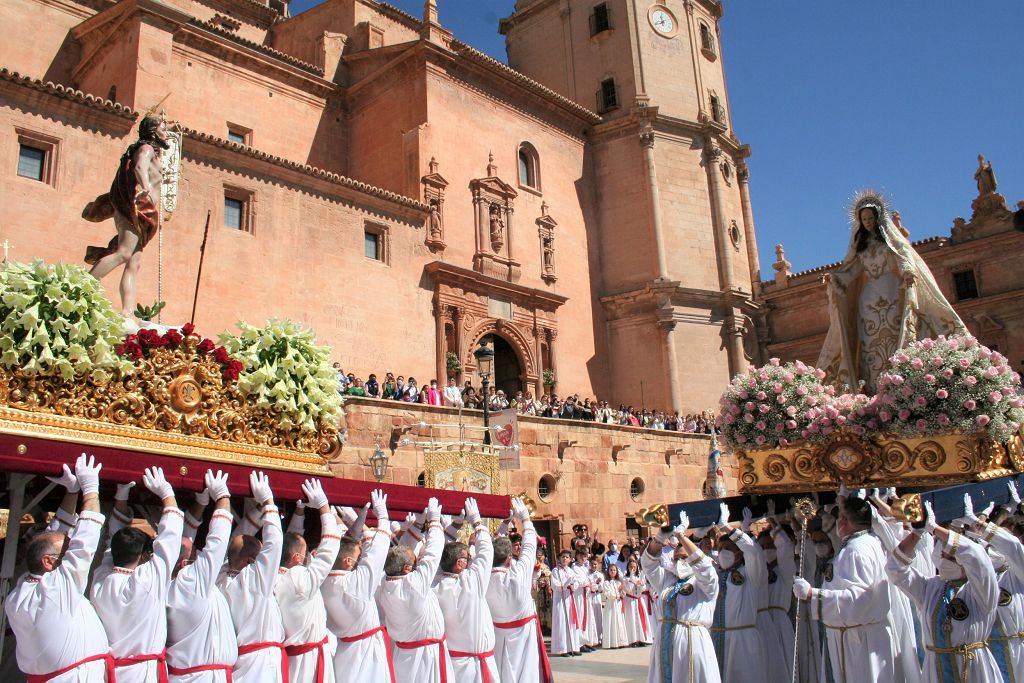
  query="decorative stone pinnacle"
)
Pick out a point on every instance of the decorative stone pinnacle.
point(433, 165)
point(781, 266)
point(430, 12)
point(543, 208)
point(492, 169)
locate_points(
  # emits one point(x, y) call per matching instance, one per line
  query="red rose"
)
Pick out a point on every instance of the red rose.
point(236, 366)
point(151, 338)
point(119, 349)
point(134, 350)
point(187, 329)
point(173, 337)
point(132, 338)
point(230, 373)
point(220, 354)
point(205, 346)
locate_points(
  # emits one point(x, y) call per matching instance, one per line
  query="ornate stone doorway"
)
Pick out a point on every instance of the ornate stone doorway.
point(508, 374)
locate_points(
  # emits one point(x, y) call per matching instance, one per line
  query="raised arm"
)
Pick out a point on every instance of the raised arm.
point(522, 569)
point(167, 544)
point(269, 558)
point(479, 569)
point(323, 557)
point(208, 562)
point(85, 537)
point(65, 517)
point(427, 566)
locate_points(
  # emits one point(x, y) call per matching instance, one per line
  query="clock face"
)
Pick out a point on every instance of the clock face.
point(663, 21)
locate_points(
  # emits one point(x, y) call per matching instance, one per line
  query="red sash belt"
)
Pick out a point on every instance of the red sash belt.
point(256, 647)
point(640, 610)
point(413, 644)
point(387, 645)
point(107, 658)
point(647, 599)
point(160, 659)
point(204, 667)
point(482, 656)
point(545, 665)
point(572, 603)
point(586, 608)
point(303, 648)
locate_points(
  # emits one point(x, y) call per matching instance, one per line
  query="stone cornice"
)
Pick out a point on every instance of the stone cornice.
point(666, 295)
point(262, 15)
point(257, 47)
point(471, 280)
point(391, 201)
point(398, 15)
point(68, 93)
point(521, 15)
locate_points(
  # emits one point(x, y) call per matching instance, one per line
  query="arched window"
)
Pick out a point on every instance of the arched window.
point(529, 166)
point(707, 40)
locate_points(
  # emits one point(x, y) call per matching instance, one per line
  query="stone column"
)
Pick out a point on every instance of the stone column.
point(539, 386)
point(551, 352)
point(734, 341)
point(442, 369)
point(743, 177)
point(675, 392)
point(647, 140)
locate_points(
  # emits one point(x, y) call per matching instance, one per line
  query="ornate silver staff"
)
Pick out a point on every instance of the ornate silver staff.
point(804, 509)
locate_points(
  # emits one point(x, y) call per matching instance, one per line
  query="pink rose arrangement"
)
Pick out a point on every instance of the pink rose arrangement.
point(855, 412)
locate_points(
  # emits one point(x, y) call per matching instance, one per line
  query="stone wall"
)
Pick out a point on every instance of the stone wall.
point(591, 478)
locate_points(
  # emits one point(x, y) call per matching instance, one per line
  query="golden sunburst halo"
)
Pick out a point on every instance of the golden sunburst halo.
point(867, 197)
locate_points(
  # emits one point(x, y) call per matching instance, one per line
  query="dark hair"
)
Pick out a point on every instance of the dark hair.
point(128, 545)
point(502, 550)
point(246, 548)
point(863, 235)
point(858, 512)
point(348, 548)
point(451, 554)
point(45, 544)
point(398, 557)
point(293, 543)
point(515, 538)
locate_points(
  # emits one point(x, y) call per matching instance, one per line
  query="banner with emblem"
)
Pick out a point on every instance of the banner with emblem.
point(505, 437)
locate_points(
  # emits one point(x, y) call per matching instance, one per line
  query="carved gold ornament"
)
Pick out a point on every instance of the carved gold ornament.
point(908, 508)
point(654, 516)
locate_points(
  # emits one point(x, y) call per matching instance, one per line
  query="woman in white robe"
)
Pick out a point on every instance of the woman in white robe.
point(613, 596)
point(566, 615)
point(638, 628)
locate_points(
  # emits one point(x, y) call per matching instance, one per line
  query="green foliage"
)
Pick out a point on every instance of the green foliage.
point(548, 377)
point(149, 312)
point(452, 363)
point(284, 369)
point(57, 321)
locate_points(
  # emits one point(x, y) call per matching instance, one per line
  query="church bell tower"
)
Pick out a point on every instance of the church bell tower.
point(678, 250)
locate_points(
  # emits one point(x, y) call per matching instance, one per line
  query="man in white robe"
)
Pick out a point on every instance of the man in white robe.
point(581, 596)
point(686, 592)
point(297, 590)
point(461, 590)
point(248, 586)
point(130, 587)
point(854, 603)
point(566, 614)
point(59, 635)
point(958, 606)
point(773, 616)
point(201, 644)
point(411, 611)
point(518, 640)
point(364, 652)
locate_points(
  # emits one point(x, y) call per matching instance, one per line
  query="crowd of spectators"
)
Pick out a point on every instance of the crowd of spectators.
point(400, 388)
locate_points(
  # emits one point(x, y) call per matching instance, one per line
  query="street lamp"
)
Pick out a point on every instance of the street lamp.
point(484, 365)
point(379, 463)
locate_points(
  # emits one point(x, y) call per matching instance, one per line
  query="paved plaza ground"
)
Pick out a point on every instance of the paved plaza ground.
point(626, 665)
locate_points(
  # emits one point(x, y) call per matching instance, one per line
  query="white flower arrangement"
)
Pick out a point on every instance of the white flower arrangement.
point(57, 321)
point(768, 406)
point(937, 386)
point(286, 371)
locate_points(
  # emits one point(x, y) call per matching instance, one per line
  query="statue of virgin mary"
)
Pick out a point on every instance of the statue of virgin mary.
point(881, 298)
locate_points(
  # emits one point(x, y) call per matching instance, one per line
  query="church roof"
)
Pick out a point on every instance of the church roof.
point(67, 93)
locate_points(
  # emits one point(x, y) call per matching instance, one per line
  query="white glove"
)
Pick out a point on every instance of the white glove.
point(347, 514)
point(259, 484)
point(1014, 496)
point(379, 503)
point(801, 589)
point(410, 521)
point(988, 510)
point(68, 480)
point(890, 493)
point(314, 492)
point(684, 523)
point(748, 516)
point(843, 491)
point(88, 474)
point(124, 490)
point(519, 510)
point(472, 512)
point(459, 519)
point(969, 509)
point(723, 515)
point(873, 493)
point(446, 521)
point(154, 480)
point(929, 518)
point(858, 493)
point(203, 497)
point(217, 485)
point(433, 510)
point(300, 507)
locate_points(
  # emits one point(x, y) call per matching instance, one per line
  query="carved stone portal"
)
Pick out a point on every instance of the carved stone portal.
point(433, 195)
point(546, 231)
point(492, 214)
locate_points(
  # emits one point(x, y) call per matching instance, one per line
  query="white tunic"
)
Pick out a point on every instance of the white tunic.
point(254, 611)
point(581, 595)
point(683, 651)
point(613, 624)
point(970, 627)
point(132, 603)
point(854, 606)
point(566, 614)
point(469, 627)
point(773, 616)
point(638, 626)
point(199, 628)
point(412, 615)
point(55, 626)
point(1010, 613)
point(518, 650)
point(352, 613)
point(901, 613)
point(734, 632)
point(303, 612)
point(595, 608)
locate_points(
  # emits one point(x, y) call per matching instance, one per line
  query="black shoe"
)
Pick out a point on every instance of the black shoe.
point(565, 654)
point(575, 654)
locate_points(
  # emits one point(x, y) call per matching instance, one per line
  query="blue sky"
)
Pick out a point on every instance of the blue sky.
point(835, 96)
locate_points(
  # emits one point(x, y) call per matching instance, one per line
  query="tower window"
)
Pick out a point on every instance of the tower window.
point(37, 156)
point(717, 110)
point(707, 40)
point(965, 285)
point(607, 96)
point(239, 135)
point(529, 166)
point(600, 20)
point(238, 209)
point(31, 162)
point(375, 243)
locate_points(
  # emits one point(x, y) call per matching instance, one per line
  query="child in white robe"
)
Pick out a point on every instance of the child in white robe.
point(613, 595)
point(638, 628)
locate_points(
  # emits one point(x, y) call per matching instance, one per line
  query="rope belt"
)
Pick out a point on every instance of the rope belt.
point(441, 666)
point(689, 635)
point(482, 656)
point(968, 652)
point(842, 638)
point(303, 648)
point(771, 607)
point(730, 628)
point(160, 658)
point(1010, 636)
point(387, 645)
point(106, 657)
point(256, 647)
point(545, 664)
